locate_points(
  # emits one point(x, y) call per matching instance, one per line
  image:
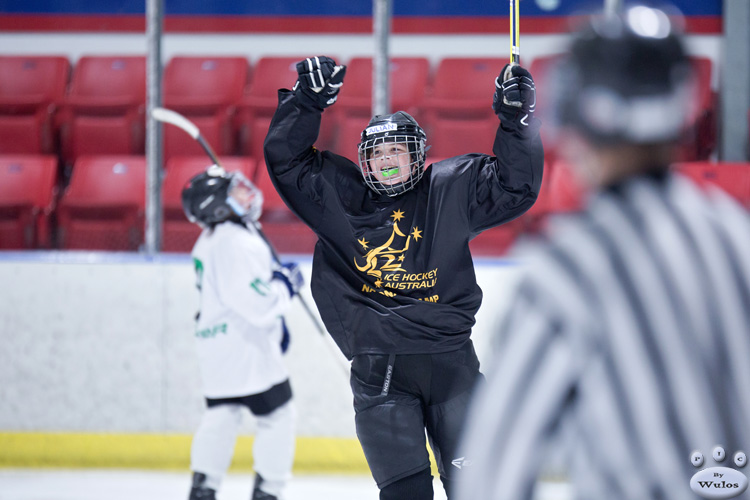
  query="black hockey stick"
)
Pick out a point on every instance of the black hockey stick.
point(173, 118)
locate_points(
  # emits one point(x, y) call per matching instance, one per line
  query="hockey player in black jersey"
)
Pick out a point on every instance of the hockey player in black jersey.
point(393, 277)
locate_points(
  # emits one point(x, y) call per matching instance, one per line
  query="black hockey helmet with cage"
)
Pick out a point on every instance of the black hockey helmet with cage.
point(626, 78)
point(207, 200)
point(400, 128)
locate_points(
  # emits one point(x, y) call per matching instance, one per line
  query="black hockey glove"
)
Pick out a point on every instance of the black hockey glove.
point(291, 276)
point(320, 80)
point(515, 98)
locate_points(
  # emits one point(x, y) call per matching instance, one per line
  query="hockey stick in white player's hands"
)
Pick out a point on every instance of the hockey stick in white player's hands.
point(173, 118)
point(165, 115)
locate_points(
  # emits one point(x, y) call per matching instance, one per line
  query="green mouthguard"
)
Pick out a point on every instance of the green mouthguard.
point(389, 173)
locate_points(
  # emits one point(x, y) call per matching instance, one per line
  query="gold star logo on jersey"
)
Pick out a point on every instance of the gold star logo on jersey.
point(385, 261)
point(385, 257)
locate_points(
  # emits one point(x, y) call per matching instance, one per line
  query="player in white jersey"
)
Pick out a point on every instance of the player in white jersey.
point(240, 335)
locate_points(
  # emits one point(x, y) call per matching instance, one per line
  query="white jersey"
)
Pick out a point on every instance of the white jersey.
point(238, 332)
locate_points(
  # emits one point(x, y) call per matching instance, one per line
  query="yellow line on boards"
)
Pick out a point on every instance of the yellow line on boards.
point(164, 451)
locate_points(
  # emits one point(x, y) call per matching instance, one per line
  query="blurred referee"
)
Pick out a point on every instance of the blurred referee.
point(629, 336)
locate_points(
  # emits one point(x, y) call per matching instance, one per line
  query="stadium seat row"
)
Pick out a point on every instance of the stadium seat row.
point(97, 106)
point(103, 206)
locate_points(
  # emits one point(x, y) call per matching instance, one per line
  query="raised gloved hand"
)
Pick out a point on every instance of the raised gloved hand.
point(285, 337)
point(291, 276)
point(515, 97)
point(319, 80)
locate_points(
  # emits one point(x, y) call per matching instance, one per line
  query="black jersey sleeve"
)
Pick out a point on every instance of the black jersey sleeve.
point(296, 167)
point(506, 185)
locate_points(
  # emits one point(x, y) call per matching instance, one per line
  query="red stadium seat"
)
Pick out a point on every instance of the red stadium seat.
point(453, 136)
point(103, 206)
point(206, 90)
point(408, 78)
point(285, 231)
point(463, 87)
point(700, 138)
point(291, 237)
point(269, 75)
point(703, 68)
point(179, 233)
point(566, 193)
point(560, 192)
point(31, 88)
point(408, 81)
point(261, 99)
point(256, 130)
point(274, 208)
point(734, 178)
point(104, 110)
point(541, 70)
point(458, 116)
point(349, 135)
point(27, 198)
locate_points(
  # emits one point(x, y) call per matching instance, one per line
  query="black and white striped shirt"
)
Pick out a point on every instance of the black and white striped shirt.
point(629, 335)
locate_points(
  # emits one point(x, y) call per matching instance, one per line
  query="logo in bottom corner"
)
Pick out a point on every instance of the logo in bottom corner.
point(718, 482)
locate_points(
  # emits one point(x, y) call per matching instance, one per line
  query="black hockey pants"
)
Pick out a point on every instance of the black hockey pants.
point(398, 397)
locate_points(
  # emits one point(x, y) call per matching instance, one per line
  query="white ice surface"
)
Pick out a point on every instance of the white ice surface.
point(48, 484)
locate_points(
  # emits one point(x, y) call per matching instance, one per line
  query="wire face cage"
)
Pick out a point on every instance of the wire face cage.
point(392, 164)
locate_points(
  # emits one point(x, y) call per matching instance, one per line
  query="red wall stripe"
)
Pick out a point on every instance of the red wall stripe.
point(354, 25)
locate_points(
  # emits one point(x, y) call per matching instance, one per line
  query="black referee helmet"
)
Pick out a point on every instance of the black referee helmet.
point(626, 78)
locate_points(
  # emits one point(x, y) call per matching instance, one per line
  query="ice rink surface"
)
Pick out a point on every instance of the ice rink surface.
point(53, 484)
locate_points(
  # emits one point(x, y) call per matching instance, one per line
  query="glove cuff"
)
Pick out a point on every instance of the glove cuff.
point(308, 98)
point(278, 275)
